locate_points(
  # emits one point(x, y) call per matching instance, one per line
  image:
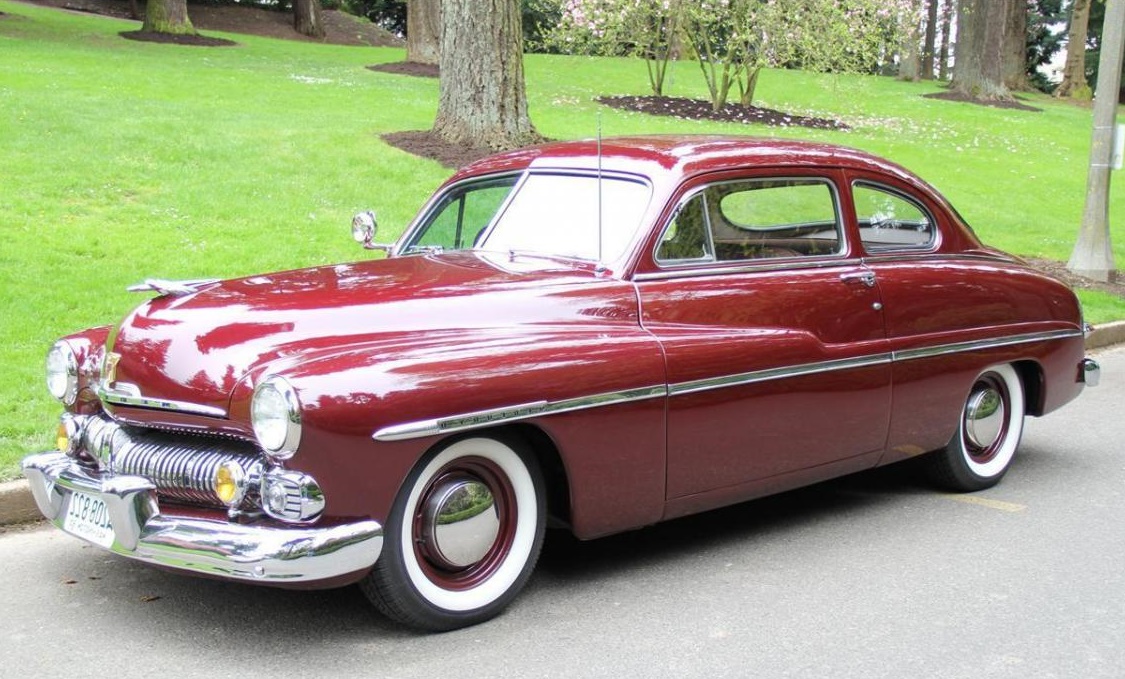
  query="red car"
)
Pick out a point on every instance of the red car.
point(599, 336)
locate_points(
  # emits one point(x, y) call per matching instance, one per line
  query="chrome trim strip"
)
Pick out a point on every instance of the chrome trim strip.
point(975, 345)
point(777, 373)
point(716, 269)
point(483, 418)
point(123, 398)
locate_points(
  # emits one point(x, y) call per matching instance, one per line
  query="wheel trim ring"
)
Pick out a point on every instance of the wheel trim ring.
point(978, 454)
point(486, 472)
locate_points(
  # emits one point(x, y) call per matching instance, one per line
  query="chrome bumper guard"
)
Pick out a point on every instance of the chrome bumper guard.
point(229, 550)
point(1091, 372)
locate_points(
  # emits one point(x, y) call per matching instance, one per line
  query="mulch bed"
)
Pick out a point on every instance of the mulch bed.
point(426, 144)
point(407, 68)
point(194, 40)
point(700, 109)
point(1059, 271)
point(995, 103)
point(340, 28)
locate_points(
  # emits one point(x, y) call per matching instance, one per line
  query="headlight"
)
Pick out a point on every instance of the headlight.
point(62, 372)
point(275, 413)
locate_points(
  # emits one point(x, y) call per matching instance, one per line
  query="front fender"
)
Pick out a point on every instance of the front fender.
point(609, 435)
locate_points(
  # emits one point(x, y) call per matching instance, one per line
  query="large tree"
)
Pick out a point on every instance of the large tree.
point(978, 62)
point(943, 51)
point(167, 16)
point(1014, 68)
point(910, 61)
point(483, 101)
point(1074, 72)
point(930, 43)
point(423, 31)
point(306, 18)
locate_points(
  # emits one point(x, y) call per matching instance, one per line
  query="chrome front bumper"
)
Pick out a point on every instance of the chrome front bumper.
point(229, 550)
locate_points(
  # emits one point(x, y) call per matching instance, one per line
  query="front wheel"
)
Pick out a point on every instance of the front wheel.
point(981, 449)
point(463, 536)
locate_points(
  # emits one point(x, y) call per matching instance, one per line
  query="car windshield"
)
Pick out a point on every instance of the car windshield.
point(546, 213)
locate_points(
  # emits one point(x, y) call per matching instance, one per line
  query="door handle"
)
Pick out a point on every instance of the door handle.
point(865, 277)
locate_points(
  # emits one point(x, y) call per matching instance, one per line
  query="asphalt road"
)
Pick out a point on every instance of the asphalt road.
point(870, 576)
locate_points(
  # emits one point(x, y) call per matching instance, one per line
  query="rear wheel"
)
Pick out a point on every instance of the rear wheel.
point(463, 536)
point(985, 442)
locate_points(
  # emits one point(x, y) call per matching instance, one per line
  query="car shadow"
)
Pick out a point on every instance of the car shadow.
point(148, 597)
point(572, 560)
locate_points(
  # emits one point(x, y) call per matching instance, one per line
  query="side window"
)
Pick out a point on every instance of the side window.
point(754, 219)
point(461, 215)
point(890, 221)
point(687, 239)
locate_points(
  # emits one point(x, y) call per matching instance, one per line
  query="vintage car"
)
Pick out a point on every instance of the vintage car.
point(593, 335)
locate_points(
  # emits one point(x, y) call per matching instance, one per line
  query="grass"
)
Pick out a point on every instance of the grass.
point(121, 160)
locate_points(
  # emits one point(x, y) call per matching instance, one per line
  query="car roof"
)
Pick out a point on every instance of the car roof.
point(684, 155)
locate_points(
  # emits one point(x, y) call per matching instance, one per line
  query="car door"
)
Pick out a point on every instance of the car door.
point(773, 337)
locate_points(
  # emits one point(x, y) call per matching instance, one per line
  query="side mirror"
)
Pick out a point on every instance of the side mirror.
point(364, 226)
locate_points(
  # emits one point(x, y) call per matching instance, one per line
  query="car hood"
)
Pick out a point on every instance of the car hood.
point(197, 348)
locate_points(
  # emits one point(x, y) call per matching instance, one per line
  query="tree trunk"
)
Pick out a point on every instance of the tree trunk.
point(908, 66)
point(306, 18)
point(167, 16)
point(943, 53)
point(1015, 47)
point(1074, 73)
point(483, 101)
point(978, 68)
point(423, 31)
point(931, 39)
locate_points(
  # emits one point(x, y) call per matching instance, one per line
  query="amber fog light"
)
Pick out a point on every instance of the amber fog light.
point(69, 434)
point(230, 483)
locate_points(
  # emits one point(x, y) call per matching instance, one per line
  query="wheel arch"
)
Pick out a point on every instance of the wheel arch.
point(546, 453)
point(1034, 387)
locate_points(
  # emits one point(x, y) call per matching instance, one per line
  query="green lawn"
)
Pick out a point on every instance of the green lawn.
point(121, 160)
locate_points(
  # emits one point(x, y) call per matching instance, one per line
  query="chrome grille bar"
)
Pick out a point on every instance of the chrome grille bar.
point(181, 467)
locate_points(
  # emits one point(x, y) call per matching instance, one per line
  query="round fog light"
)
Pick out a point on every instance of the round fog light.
point(69, 434)
point(230, 483)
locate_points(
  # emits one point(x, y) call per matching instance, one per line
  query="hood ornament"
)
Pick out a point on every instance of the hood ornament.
point(174, 288)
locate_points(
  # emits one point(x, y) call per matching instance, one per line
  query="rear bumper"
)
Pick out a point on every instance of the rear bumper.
point(264, 554)
point(1091, 372)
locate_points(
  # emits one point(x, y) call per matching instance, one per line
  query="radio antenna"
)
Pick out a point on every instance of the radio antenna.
point(600, 267)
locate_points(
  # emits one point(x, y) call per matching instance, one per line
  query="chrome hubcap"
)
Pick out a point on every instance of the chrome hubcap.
point(984, 417)
point(461, 523)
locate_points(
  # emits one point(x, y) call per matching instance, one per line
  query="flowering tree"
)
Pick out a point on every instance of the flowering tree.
point(644, 28)
point(734, 40)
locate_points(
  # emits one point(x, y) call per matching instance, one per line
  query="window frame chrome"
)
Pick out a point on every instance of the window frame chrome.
point(891, 250)
point(705, 265)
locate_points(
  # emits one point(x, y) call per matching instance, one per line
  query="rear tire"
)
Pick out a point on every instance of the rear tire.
point(982, 448)
point(463, 536)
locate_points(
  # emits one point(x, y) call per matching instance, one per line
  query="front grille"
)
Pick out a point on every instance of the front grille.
point(181, 466)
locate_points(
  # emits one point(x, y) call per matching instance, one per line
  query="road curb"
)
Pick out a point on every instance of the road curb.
point(1106, 334)
point(17, 505)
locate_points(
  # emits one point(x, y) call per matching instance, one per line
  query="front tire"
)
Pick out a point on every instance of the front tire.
point(982, 448)
point(463, 536)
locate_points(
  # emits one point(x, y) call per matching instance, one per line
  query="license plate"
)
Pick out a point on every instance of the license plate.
point(88, 518)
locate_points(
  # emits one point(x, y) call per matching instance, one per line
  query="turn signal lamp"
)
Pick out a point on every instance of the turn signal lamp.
point(62, 439)
point(69, 434)
point(229, 483)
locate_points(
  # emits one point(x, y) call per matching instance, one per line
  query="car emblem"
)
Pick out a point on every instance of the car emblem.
point(109, 368)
